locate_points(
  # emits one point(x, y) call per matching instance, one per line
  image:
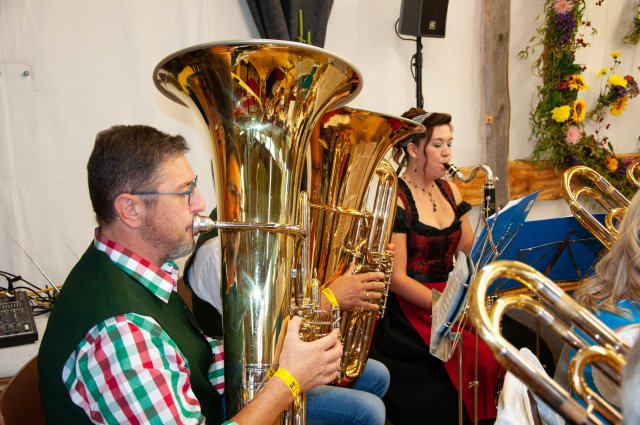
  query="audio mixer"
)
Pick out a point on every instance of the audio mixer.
point(17, 325)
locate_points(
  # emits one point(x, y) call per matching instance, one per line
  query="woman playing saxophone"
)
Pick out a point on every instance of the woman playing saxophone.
point(431, 226)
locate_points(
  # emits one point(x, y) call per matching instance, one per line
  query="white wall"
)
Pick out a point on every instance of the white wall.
point(90, 65)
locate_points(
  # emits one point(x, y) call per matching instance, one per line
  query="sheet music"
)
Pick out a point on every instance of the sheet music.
point(501, 229)
point(449, 305)
point(498, 232)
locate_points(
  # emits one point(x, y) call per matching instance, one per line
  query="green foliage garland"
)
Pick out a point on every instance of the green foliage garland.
point(557, 122)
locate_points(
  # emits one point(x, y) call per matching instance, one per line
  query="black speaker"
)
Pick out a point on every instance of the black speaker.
point(423, 18)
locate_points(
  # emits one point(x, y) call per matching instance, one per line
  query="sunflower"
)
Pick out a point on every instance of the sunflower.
point(603, 71)
point(619, 105)
point(561, 113)
point(576, 82)
point(615, 54)
point(579, 110)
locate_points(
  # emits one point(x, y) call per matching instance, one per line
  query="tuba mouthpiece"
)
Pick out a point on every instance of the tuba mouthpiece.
point(201, 224)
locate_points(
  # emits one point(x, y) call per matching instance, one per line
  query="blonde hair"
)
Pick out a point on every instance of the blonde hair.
point(617, 274)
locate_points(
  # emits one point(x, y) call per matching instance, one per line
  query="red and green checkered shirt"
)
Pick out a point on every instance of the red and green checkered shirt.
point(133, 350)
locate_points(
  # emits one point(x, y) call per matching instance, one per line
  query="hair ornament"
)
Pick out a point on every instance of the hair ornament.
point(421, 118)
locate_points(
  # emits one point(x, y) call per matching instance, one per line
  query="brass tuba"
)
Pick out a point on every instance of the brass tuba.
point(556, 309)
point(631, 173)
point(347, 151)
point(260, 101)
point(603, 192)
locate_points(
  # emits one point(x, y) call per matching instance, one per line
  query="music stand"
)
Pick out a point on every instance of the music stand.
point(504, 227)
point(496, 234)
point(560, 248)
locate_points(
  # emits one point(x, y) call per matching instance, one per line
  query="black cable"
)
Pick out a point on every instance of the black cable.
point(414, 63)
point(18, 278)
point(41, 299)
point(398, 33)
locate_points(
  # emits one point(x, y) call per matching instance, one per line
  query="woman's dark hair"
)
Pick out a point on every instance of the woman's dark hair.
point(126, 159)
point(429, 120)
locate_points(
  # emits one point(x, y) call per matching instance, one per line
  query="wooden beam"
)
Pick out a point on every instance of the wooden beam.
point(496, 107)
point(524, 177)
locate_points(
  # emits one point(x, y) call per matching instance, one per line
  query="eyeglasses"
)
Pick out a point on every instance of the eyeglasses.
point(192, 186)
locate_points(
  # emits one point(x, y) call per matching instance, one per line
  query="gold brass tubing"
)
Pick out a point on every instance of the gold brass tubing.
point(613, 216)
point(553, 307)
point(603, 193)
point(202, 224)
point(339, 210)
point(631, 173)
point(577, 366)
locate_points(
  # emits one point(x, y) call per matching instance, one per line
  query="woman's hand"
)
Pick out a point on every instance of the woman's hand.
point(311, 363)
point(358, 290)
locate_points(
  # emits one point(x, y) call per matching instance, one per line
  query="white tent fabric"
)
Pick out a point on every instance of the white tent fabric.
point(70, 68)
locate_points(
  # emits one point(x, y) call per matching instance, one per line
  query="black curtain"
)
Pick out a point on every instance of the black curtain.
point(279, 19)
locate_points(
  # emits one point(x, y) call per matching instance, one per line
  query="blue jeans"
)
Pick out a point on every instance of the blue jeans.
point(359, 404)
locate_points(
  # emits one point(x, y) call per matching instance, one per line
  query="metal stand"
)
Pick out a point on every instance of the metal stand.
point(475, 384)
point(460, 406)
point(418, 71)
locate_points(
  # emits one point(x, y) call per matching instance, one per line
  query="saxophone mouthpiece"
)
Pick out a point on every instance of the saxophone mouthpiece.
point(453, 171)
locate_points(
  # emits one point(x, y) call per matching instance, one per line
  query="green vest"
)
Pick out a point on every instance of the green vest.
point(95, 290)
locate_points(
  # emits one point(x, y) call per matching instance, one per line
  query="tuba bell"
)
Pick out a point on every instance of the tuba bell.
point(346, 160)
point(603, 192)
point(555, 308)
point(260, 101)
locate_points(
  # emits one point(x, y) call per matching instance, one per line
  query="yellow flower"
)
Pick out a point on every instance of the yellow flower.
point(615, 54)
point(616, 80)
point(579, 110)
point(576, 82)
point(619, 106)
point(561, 113)
point(612, 163)
point(603, 71)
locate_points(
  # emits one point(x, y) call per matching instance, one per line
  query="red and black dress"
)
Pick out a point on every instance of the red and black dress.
point(423, 389)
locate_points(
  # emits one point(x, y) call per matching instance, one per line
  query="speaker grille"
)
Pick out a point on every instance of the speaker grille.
point(423, 18)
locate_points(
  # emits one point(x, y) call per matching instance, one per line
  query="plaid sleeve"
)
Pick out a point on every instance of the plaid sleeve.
point(128, 370)
point(216, 371)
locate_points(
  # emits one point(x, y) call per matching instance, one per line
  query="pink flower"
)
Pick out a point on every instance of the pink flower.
point(573, 135)
point(563, 6)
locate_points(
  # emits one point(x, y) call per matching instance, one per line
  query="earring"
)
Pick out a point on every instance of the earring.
point(415, 168)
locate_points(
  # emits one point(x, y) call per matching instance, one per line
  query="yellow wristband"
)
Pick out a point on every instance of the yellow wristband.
point(288, 379)
point(332, 298)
